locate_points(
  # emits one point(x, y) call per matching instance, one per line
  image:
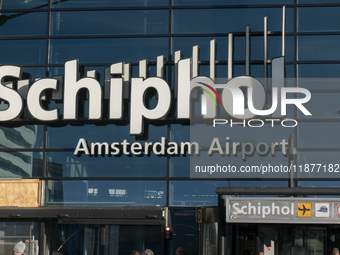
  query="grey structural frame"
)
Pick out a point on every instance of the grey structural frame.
point(258, 191)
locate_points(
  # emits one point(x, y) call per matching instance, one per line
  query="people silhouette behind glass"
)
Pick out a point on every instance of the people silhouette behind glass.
point(135, 252)
point(246, 252)
point(147, 252)
point(179, 250)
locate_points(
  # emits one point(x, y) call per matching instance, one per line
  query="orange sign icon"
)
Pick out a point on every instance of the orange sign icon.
point(304, 210)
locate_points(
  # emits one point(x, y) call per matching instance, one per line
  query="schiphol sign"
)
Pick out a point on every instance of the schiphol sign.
point(232, 97)
point(241, 98)
point(282, 210)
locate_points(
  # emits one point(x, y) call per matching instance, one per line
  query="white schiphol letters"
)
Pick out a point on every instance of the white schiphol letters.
point(34, 103)
point(139, 111)
point(262, 210)
point(240, 98)
point(116, 92)
point(72, 86)
point(12, 97)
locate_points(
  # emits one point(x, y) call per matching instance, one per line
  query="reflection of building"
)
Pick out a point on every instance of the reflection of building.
point(103, 204)
point(17, 163)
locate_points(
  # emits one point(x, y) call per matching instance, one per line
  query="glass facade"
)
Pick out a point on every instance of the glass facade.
point(41, 35)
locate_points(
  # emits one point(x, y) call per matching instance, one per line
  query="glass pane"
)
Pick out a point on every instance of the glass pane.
point(106, 193)
point(194, 193)
point(118, 239)
point(66, 164)
point(107, 3)
point(27, 137)
point(319, 71)
point(23, 24)
point(230, 2)
point(323, 105)
point(185, 232)
point(323, 47)
point(21, 164)
point(312, 19)
point(23, 51)
point(110, 22)
point(274, 47)
point(315, 241)
point(266, 133)
point(318, 164)
point(255, 183)
point(124, 239)
point(24, 4)
point(185, 44)
point(180, 166)
point(34, 72)
point(325, 184)
point(318, 135)
point(230, 20)
point(93, 133)
point(317, 1)
point(26, 232)
point(110, 50)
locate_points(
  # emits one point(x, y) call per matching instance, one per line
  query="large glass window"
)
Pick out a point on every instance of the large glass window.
point(107, 3)
point(16, 164)
point(318, 135)
point(319, 106)
point(229, 20)
point(23, 24)
point(318, 164)
point(68, 136)
point(23, 51)
point(66, 164)
point(316, 19)
point(23, 4)
point(106, 193)
point(185, 232)
point(319, 71)
point(108, 50)
point(110, 22)
point(92, 239)
point(231, 2)
point(13, 232)
point(28, 137)
point(194, 193)
point(185, 44)
point(321, 47)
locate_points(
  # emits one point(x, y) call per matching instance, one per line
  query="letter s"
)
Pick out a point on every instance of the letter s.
point(11, 96)
point(236, 209)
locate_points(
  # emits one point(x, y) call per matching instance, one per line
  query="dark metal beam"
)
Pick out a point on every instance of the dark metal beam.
point(128, 213)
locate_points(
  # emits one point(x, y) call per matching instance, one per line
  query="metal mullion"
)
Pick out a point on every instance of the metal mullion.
point(48, 38)
point(319, 149)
point(38, 37)
point(98, 9)
point(231, 6)
point(318, 120)
point(107, 36)
point(296, 131)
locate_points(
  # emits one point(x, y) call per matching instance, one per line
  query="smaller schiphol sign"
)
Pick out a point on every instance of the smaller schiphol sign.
point(282, 210)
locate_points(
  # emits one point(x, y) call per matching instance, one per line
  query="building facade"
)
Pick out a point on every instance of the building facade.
point(80, 199)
